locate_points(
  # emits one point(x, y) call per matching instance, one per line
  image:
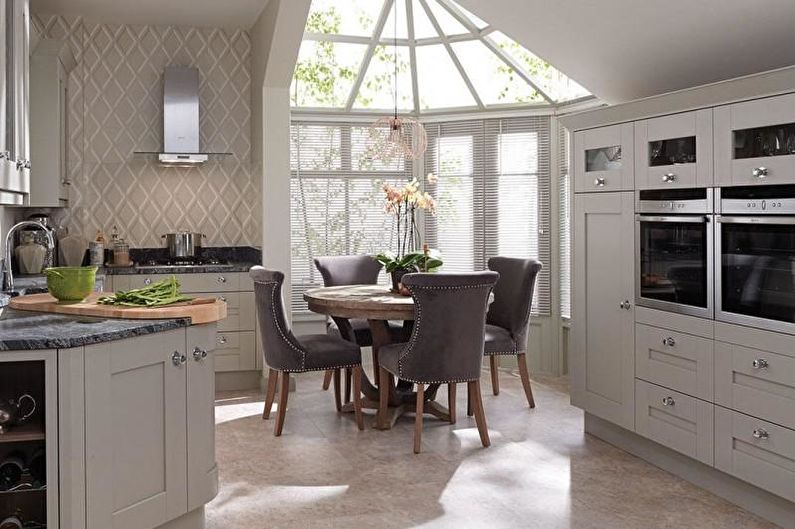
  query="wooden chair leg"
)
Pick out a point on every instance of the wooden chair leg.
point(357, 396)
point(383, 396)
point(337, 394)
point(347, 385)
point(327, 379)
point(270, 394)
point(525, 376)
point(494, 364)
point(451, 401)
point(469, 404)
point(473, 388)
point(285, 392)
point(418, 418)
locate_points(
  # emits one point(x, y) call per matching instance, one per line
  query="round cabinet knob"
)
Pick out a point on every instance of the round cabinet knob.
point(669, 178)
point(670, 342)
point(147, 281)
point(222, 298)
point(23, 164)
point(760, 363)
point(626, 305)
point(178, 358)
point(222, 339)
point(760, 433)
point(199, 354)
point(600, 182)
point(221, 279)
point(759, 172)
point(668, 401)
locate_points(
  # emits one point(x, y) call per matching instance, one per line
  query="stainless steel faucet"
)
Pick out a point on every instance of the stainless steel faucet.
point(8, 277)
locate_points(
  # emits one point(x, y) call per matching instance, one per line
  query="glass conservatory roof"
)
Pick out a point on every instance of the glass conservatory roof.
point(447, 59)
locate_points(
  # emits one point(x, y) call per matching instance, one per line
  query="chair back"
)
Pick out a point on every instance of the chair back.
point(340, 270)
point(280, 347)
point(513, 295)
point(446, 343)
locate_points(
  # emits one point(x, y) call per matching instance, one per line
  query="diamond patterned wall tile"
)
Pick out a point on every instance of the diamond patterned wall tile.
point(115, 108)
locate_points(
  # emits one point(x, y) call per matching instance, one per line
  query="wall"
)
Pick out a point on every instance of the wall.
point(115, 108)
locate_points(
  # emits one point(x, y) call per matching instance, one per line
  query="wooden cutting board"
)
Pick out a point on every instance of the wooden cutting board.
point(199, 310)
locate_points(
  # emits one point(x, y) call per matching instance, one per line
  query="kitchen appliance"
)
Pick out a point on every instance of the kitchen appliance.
point(181, 119)
point(183, 244)
point(12, 411)
point(673, 250)
point(755, 248)
point(187, 262)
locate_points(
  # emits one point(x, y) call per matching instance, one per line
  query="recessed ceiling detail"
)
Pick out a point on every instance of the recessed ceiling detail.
point(447, 59)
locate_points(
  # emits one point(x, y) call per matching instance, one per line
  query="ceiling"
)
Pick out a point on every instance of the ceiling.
point(627, 49)
point(197, 13)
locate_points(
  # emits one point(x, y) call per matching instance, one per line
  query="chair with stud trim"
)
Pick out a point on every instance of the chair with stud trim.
point(286, 353)
point(446, 344)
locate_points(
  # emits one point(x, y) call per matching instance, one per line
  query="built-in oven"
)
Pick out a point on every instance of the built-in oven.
point(673, 250)
point(755, 245)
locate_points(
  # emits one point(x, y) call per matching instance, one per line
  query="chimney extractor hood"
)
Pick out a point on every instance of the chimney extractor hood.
point(181, 119)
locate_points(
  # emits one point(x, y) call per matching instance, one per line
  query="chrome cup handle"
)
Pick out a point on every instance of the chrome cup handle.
point(29, 414)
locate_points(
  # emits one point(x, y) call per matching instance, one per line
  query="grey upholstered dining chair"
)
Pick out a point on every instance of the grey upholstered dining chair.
point(446, 344)
point(339, 270)
point(286, 353)
point(509, 315)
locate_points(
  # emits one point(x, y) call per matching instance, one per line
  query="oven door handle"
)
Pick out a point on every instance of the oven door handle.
point(772, 219)
point(677, 218)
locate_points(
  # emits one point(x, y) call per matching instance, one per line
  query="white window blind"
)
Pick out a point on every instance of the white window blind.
point(337, 201)
point(564, 221)
point(494, 194)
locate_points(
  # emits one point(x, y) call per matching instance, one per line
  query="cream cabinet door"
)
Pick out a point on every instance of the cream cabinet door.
point(202, 468)
point(604, 159)
point(602, 359)
point(136, 460)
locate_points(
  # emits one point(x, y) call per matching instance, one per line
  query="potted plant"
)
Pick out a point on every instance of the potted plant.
point(411, 262)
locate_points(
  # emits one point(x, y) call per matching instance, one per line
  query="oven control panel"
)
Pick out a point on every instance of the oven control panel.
point(768, 206)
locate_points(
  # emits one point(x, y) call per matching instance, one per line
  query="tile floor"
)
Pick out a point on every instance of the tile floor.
point(540, 472)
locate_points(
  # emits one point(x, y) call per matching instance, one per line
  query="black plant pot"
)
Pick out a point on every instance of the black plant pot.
point(397, 277)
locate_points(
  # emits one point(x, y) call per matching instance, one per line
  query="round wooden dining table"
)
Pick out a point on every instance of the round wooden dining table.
point(378, 305)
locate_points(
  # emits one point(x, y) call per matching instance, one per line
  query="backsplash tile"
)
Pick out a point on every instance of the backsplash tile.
point(115, 108)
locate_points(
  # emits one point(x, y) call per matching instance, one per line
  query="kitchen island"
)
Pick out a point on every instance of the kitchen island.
point(124, 413)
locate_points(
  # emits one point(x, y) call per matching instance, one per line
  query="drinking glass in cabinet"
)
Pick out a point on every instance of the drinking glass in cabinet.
point(672, 151)
point(774, 140)
point(603, 159)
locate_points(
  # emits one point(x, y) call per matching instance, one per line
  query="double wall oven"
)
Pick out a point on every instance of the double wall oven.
point(727, 254)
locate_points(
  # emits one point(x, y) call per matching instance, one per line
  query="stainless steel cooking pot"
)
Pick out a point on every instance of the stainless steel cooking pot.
point(183, 244)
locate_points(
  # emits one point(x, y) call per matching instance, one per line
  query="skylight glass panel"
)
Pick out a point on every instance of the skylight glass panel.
point(440, 84)
point(549, 79)
point(348, 17)
point(423, 29)
point(448, 23)
point(325, 73)
point(377, 91)
point(495, 81)
point(402, 26)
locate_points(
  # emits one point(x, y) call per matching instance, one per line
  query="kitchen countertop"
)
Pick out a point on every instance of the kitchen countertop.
point(204, 269)
point(23, 330)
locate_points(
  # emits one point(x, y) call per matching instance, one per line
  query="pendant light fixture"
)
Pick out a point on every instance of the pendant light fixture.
point(397, 136)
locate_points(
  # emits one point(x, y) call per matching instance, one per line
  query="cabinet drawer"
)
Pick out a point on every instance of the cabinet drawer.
point(675, 420)
point(234, 351)
point(755, 382)
point(239, 311)
point(755, 451)
point(190, 283)
point(603, 159)
point(675, 360)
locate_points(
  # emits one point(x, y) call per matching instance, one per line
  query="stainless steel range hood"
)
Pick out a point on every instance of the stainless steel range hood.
point(181, 119)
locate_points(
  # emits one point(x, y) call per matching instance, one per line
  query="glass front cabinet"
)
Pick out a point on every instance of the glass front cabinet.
point(603, 159)
point(755, 142)
point(674, 151)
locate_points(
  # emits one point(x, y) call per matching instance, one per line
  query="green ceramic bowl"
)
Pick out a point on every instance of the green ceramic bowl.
point(71, 284)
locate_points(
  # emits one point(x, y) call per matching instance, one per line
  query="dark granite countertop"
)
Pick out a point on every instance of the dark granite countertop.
point(21, 330)
point(206, 269)
point(237, 258)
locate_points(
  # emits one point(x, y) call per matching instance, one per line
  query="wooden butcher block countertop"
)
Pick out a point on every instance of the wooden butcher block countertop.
point(199, 310)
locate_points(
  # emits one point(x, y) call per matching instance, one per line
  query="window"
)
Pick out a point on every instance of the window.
point(336, 197)
point(564, 222)
point(494, 194)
